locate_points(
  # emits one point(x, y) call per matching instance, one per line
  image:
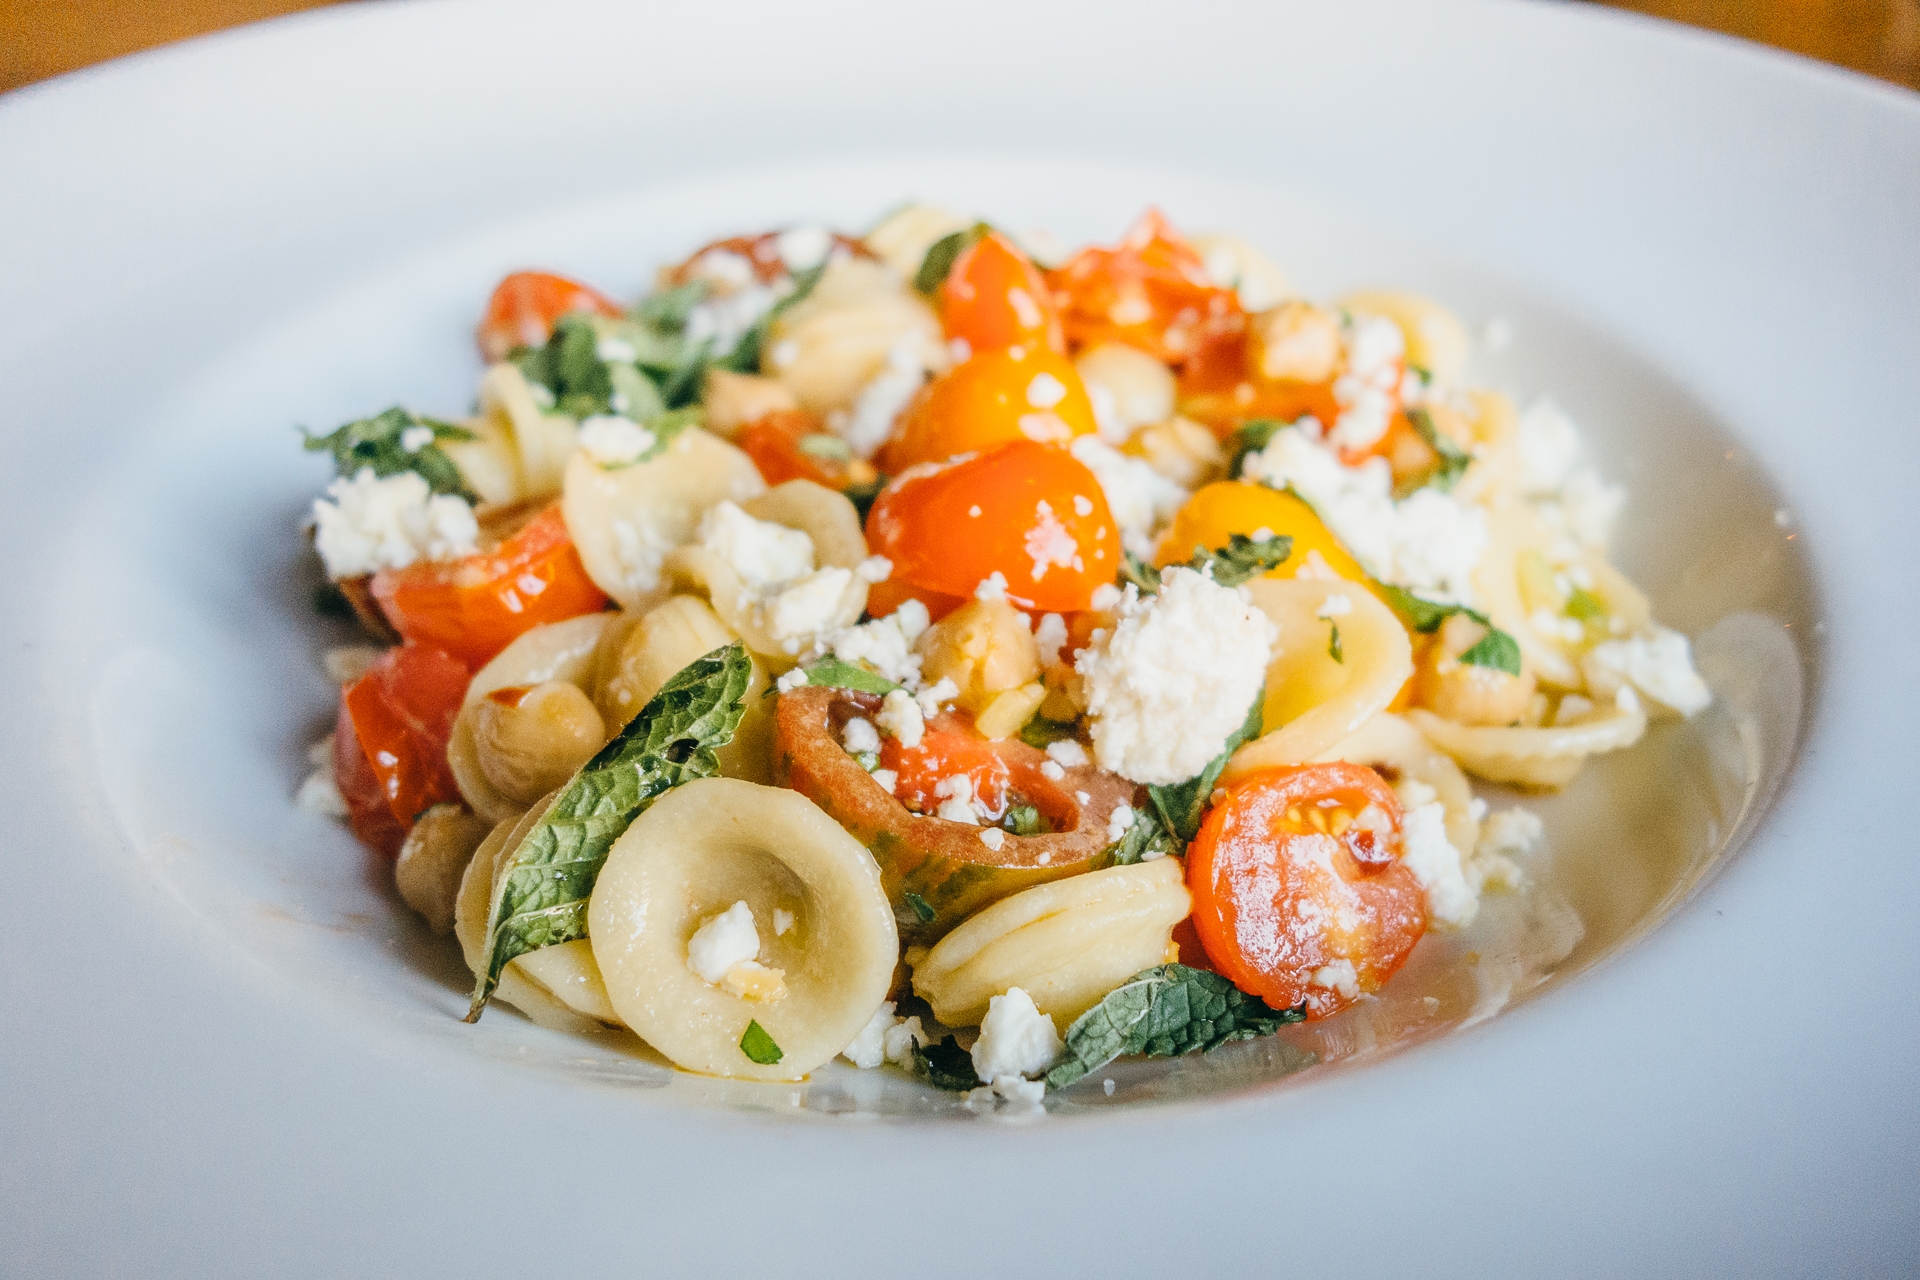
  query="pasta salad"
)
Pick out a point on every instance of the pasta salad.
point(931, 649)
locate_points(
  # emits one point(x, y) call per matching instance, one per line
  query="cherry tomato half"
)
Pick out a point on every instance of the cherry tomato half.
point(401, 715)
point(790, 444)
point(1298, 891)
point(946, 751)
point(1026, 511)
point(525, 306)
point(995, 297)
point(1152, 291)
point(368, 814)
point(473, 608)
point(990, 399)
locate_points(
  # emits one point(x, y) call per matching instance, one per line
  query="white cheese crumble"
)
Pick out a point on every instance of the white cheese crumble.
point(320, 793)
point(1435, 863)
point(803, 247)
point(1140, 498)
point(388, 522)
point(775, 566)
point(1016, 1039)
point(881, 402)
point(1336, 605)
point(1118, 821)
point(613, 441)
point(1548, 445)
point(873, 569)
point(886, 644)
point(900, 718)
point(1658, 663)
point(887, 779)
point(860, 737)
point(1051, 771)
point(1045, 391)
point(991, 588)
point(1508, 834)
point(414, 439)
point(1174, 678)
point(1050, 637)
point(782, 922)
point(1366, 391)
point(886, 1038)
point(932, 699)
point(1067, 752)
point(1048, 543)
point(724, 941)
point(993, 838)
point(955, 793)
point(1339, 976)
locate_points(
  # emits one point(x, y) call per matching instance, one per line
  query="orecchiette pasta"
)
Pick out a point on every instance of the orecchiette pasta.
point(904, 236)
point(660, 644)
point(1393, 746)
point(1130, 388)
point(735, 399)
point(832, 343)
point(1534, 757)
point(703, 847)
point(1513, 530)
point(1067, 943)
point(542, 441)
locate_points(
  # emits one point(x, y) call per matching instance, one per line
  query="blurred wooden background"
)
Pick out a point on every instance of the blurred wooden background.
point(42, 38)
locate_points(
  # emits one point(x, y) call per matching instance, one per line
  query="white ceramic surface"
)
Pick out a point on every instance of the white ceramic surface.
point(225, 1051)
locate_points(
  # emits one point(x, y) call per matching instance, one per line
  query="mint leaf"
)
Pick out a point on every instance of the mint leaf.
point(668, 309)
point(922, 910)
point(937, 265)
point(1024, 820)
point(376, 442)
point(1145, 835)
point(948, 1066)
point(1424, 616)
point(1585, 606)
point(833, 673)
point(759, 1046)
point(1250, 436)
point(1138, 573)
point(1335, 649)
point(1453, 459)
point(540, 899)
point(1164, 1012)
point(1497, 650)
point(1181, 804)
point(1237, 562)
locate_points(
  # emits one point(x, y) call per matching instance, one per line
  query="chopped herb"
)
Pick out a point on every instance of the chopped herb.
point(1043, 733)
point(1164, 1012)
point(1138, 573)
point(668, 309)
point(921, 910)
point(941, 255)
point(759, 1046)
point(869, 760)
point(1585, 606)
point(1250, 436)
point(1241, 559)
point(1334, 648)
point(1145, 835)
point(948, 1066)
point(1453, 461)
point(1496, 650)
point(329, 601)
point(832, 673)
point(1181, 805)
point(1024, 820)
point(376, 443)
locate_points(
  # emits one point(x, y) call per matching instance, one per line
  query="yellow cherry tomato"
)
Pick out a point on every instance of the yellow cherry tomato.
point(990, 399)
point(1214, 514)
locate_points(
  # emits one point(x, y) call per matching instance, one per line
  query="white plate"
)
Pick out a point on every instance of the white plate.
point(226, 1051)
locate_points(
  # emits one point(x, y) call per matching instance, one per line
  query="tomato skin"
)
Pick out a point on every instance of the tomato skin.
point(944, 751)
point(525, 305)
point(990, 399)
point(995, 297)
point(1276, 899)
point(367, 811)
point(401, 714)
point(474, 608)
point(774, 444)
point(1027, 511)
point(1151, 292)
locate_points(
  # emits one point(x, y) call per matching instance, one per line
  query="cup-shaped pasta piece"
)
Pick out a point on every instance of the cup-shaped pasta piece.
point(659, 645)
point(1436, 340)
point(1512, 531)
point(490, 462)
point(542, 441)
point(1494, 475)
point(1138, 389)
point(1315, 699)
point(698, 850)
point(557, 987)
point(559, 651)
point(1397, 750)
point(830, 344)
point(625, 521)
point(904, 236)
point(1547, 757)
point(1067, 944)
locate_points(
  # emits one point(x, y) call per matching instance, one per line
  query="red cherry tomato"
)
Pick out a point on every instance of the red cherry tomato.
point(995, 297)
point(790, 444)
point(367, 811)
point(1296, 873)
point(1151, 292)
point(946, 750)
point(1026, 511)
point(991, 399)
point(525, 306)
point(475, 607)
point(401, 713)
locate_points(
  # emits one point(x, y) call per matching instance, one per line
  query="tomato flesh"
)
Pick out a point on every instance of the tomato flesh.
point(525, 306)
point(995, 297)
point(1296, 873)
point(473, 608)
point(1026, 511)
point(368, 814)
point(401, 715)
point(1152, 292)
point(990, 399)
point(779, 446)
point(999, 772)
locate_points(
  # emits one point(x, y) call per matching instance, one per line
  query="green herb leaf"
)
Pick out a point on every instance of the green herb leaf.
point(833, 673)
point(921, 909)
point(745, 356)
point(1251, 436)
point(1497, 650)
point(1335, 650)
point(1242, 559)
point(1585, 606)
point(1454, 460)
point(759, 1046)
point(1138, 573)
point(1024, 820)
point(375, 442)
point(948, 1066)
point(540, 899)
point(1164, 1012)
point(668, 309)
point(1145, 835)
point(941, 255)
point(1042, 733)
point(1181, 805)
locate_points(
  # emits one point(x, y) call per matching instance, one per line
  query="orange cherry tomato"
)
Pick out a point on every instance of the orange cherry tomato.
point(1151, 292)
point(1026, 511)
point(367, 811)
point(790, 444)
point(1216, 512)
point(1296, 870)
point(992, 398)
point(995, 297)
point(401, 714)
point(473, 608)
point(525, 306)
point(884, 597)
point(948, 748)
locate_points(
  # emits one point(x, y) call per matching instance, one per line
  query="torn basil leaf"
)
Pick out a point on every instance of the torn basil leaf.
point(923, 911)
point(1454, 460)
point(1335, 649)
point(1146, 834)
point(833, 673)
point(1496, 650)
point(668, 309)
point(937, 265)
point(1237, 562)
point(540, 898)
point(380, 443)
point(1181, 805)
point(948, 1066)
point(1138, 573)
point(1042, 733)
point(1164, 1012)
point(759, 1046)
point(1250, 436)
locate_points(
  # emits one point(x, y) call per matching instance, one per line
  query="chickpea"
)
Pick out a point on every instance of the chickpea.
point(531, 740)
point(1468, 694)
point(735, 399)
point(434, 858)
point(1295, 342)
point(985, 648)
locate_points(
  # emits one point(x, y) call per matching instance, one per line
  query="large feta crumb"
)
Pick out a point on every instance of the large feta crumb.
point(388, 522)
point(936, 696)
point(993, 838)
point(902, 1038)
point(1067, 752)
point(1140, 498)
point(765, 554)
point(613, 441)
point(1118, 821)
point(1016, 1039)
point(869, 1048)
point(887, 779)
point(1507, 835)
point(1548, 445)
point(1366, 391)
point(801, 248)
point(1658, 663)
point(724, 941)
point(886, 644)
point(900, 718)
point(955, 793)
point(874, 569)
point(1435, 863)
point(1339, 976)
point(1047, 542)
point(882, 401)
point(320, 793)
point(991, 588)
point(414, 439)
point(860, 736)
point(1174, 678)
point(1050, 637)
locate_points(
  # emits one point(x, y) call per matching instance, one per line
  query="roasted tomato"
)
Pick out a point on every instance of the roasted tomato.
point(1028, 512)
point(995, 297)
point(761, 251)
point(399, 715)
point(922, 772)
point(473, 608)
point(1299, 894)
point(792, 445)
point(525, 306)
point(1212, 516)
point(1152, 292)
point(992, 398)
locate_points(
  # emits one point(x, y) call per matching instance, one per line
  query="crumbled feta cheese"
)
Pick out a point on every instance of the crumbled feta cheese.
point(860, 737)
point(414, 439)
point(1586, 509)
point(1366, 391)
point(993, 838)
point(725, 940)
point(1050, 637)
point(900, 718)
point(1435, 863)
point(955, 793)
point(794, 679)
point(886, 644)
point(1045, 391)
point(1508, 834)
point(1548, 445)
point(801, 248)
point(887, 779)
point(1051, 771)
point(932, 699)
point(1174, 678)
point(612, 350)
point(807, 608)
point(1657, 663)
point(388, 522)
point(1118, 821)
point(1047, 541)
point(1107, 1085)
point(782, 922)
point(1337, 605)
point(1082, 797)
point(320, 793)
point(1339, 976)
point(992, 587)
point(1067, 752)
point(346, 663)
point(1106, 597)
point(882, 401)
point(1140, 498)
point(874, 569)
point(869, 1048)
point(902, 1038)
point(1016, 1039)
point(763, 553)
point(613, 441)
point(723, 318)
